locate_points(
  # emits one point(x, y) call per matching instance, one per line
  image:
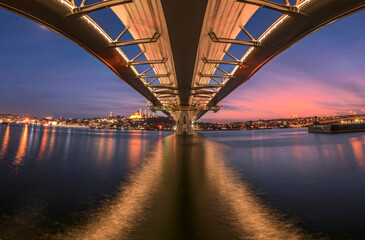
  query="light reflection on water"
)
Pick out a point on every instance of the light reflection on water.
point(43, 146)
point(116, 218)
point(318, 178)
point(252, 218)
point(134, 151)
point(5, 142)
point(120, 215)
point(100, 184)
point(22, 147)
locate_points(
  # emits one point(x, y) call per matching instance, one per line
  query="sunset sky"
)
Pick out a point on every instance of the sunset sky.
point(43, 73)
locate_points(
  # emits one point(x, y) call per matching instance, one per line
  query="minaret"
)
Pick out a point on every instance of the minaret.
point(149, 114)
point(111, 115)
point(140, 112)
point(145, 112)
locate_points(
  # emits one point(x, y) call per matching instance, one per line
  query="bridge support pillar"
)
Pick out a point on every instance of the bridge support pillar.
point(184, 122)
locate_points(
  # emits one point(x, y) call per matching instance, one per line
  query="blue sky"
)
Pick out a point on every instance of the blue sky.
point(43, 73)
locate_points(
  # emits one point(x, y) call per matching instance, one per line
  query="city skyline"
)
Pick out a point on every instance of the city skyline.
point(54, 76)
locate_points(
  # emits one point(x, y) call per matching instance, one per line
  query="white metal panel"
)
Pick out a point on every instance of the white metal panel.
point(224, 18)
point(144, 18)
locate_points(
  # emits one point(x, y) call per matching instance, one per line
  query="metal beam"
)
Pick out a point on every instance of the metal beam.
point(202, 94)
point(153, 80)
point(248, 34)
point(121, 34)
point(214, 38)
point(286, 9)
point(164, 60)
point(167, 86)
point(173, 108)
point(203, 91)
point(154, 76)
point(207, 86)
point(201, 98)
point(166, 92)
point(148, 69)
point(160, 91)
point(82, 10)
point(153, 39)
point(215, 76)
point(215, 80)
point(236, 59)
point(139, 54)
point(166, 96)
point(220, 69)
point(210, 61)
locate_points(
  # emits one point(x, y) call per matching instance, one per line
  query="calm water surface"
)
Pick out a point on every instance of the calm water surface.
point(60, 183)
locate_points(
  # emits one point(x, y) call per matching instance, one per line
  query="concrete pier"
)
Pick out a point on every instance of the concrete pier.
point(184, 122)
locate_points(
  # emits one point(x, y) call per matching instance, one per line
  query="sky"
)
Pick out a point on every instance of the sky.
point(42, 73)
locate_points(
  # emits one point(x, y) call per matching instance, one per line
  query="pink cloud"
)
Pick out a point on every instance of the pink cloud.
point(276, 95)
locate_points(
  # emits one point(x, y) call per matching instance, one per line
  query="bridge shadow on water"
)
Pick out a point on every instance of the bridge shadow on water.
point(184, 190)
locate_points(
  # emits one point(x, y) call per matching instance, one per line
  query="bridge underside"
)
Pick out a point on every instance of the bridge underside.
point(186, 43)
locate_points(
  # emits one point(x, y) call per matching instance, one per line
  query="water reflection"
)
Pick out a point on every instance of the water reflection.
point(358, 150)
point(109, 155)
point(67, 144)
point(172, 189)
point(22, 147)
point(5, 142)
point(43, 146)
point(96, 184)
point(51, 143)
point(117, 217)
point(101, 148)
point(252, 219)
point(134, 150)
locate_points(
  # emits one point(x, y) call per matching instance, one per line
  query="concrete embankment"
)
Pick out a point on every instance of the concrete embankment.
point(337, 128)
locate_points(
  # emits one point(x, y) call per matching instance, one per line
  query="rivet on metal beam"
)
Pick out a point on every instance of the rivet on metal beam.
point(214, 38)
